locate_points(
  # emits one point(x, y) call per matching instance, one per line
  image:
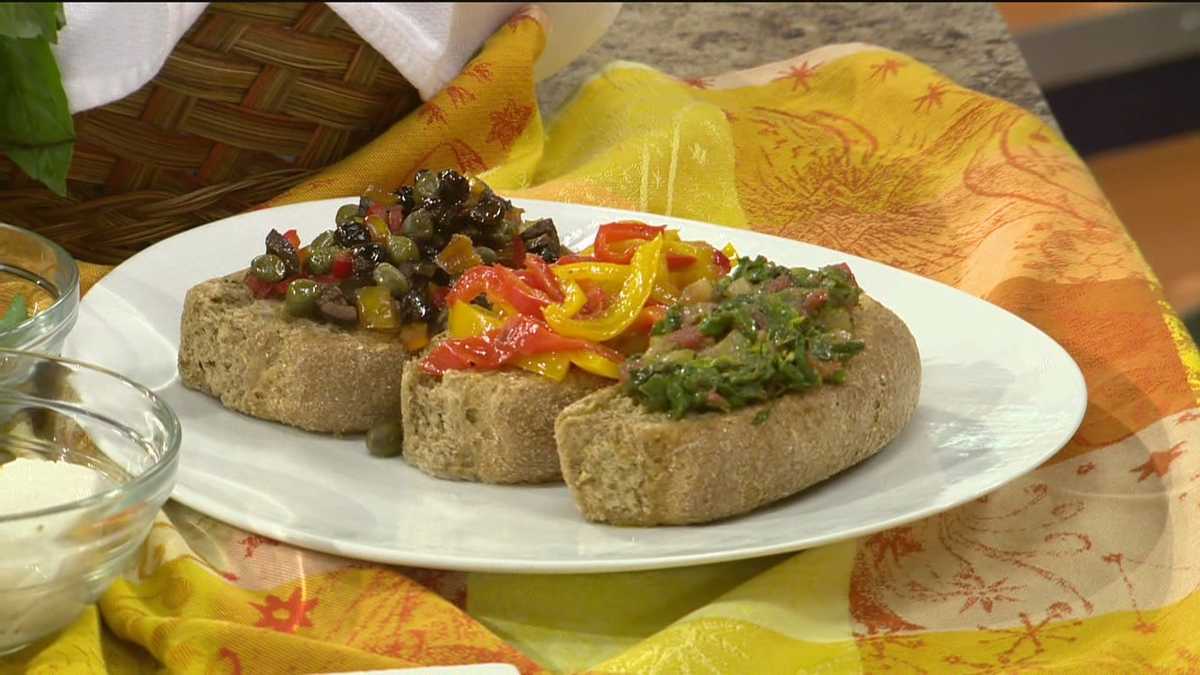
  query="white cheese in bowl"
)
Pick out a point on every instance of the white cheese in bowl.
point(37, 564)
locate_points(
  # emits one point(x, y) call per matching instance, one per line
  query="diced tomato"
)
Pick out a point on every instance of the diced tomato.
point(606, 247)
point(846, 268)
point(293, 237)
point(541, 278)
point(343, 265)
point(519, 336)
point(499, 283)
point(813, 302)
point(690, 337)
point(779, 283)
point(722, 261)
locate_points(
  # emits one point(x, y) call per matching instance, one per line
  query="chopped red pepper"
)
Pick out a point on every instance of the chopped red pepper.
point(293, 238)
point(722, 261)
point(265, 289)
point(377, 209)
point(540, 277)
point(499, 283)
point(519, 336)
point(343, 265)
point(395, 220)
point(622, 230)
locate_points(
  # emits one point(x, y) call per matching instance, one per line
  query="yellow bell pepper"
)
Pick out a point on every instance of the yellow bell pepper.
point(376, 310)
point(644, 270)
point(595, 364)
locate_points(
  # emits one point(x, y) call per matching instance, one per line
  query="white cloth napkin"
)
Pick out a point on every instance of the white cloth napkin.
point(110, 49)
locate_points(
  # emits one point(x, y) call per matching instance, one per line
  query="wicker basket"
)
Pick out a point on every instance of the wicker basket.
point(255, 98)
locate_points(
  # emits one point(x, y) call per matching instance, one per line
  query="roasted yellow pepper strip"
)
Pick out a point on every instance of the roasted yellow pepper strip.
point(644, 270)
point(595, 364)
point(468, 320)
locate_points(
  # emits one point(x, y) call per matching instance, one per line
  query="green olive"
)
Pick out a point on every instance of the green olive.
point(345, 214)
point(320, 261)
point(419, 225)
point(389, 277)
point(401, 249)
point(386, 439)
point(426, 185)
point(324, 240)
point(302, 297)
point(487, 255)
point(269, 267)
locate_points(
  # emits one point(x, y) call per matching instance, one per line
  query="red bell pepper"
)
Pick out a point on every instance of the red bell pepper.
point(499, 283)
point(520, 336)
point(343, 265)
point(293, 238)
point(622, 230)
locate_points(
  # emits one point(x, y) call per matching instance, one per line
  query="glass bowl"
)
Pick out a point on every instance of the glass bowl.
point(56, 560)
point(48, 277)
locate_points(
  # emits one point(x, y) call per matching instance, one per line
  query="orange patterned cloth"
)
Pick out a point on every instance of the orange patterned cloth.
point(1091, 563)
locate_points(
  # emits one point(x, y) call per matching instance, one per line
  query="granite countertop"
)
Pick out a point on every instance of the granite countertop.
point(967, 41)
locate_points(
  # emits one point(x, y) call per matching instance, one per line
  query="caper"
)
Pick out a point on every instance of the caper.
point(320, 260)
point(386, 439)
point(426, 185)
point(401, 249)
point(346, 213)
point(324, 240)
point(487, 255)
point(389, 277)
point(269, 267)
point(301, 297)
point(426, 268)
point(419, 225)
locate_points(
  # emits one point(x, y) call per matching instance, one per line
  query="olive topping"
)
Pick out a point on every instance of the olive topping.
point(418, 226)
point(401, 249)
point(279, 246)
point(414, 306)
point(453, 187)
point(301, 297)
point(404, 198)
point(487, 255)
point(366, 257)
point(386, 439)
point(320, 260)
point(426, 185)
point(326, 239)
point(333, 305)
point(391, 278)
point(269, 267)
point(346, 213)
point(541, 237)
point(352, 233)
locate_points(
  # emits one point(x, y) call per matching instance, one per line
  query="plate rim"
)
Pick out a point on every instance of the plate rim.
point(370, 553)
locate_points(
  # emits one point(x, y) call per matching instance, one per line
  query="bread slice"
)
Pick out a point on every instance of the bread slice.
point(257, 360)
point(492, 427)
point(627, 466)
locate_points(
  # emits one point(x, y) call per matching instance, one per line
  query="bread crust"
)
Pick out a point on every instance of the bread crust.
point(256, 360)
point(491, 427)
point(627, 466)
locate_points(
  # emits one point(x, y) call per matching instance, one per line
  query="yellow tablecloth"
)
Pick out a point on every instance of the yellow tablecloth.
point(1088, 564)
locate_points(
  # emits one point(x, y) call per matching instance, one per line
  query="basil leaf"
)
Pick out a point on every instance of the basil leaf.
point(36, 129)
point(29, 20)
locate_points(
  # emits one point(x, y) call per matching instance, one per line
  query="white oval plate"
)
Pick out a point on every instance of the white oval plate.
point(998, 398)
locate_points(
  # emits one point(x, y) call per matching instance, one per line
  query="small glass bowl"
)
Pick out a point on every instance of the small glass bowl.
point(55, 561)
point(48, 276)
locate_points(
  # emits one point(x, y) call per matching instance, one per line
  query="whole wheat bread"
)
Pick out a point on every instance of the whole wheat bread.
point(627, 466)
point(493, 427)
point(257, 360)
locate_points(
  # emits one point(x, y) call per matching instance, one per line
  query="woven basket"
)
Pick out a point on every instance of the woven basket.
point(254, 99)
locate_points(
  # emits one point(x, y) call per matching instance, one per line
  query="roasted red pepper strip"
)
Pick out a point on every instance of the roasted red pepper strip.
point(623, 230)
point(499, 283)
point(540, 277)
point(519, 336)
point(568, 259)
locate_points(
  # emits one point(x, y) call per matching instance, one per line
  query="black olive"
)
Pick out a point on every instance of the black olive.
point(419, 225)
point(404, 198)
point(453, 188)
point(279, 246)
point(426, 185)
point(352, 233)
point(366, 257)
point(489, 212)
point(415, 306)
point(541, 237)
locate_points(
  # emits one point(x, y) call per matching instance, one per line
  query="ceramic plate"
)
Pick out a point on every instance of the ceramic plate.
point(998, 398)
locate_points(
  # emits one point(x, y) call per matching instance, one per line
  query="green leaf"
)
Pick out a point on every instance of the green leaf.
point(16, 314)
point(36, 129)
point(29, 20)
